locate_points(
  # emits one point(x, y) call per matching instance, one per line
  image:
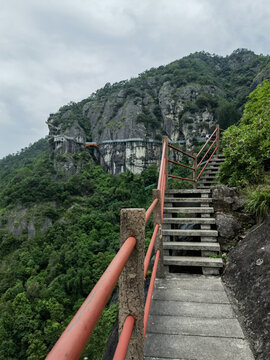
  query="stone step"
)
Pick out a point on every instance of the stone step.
point(189, 221)
point(184, 245)
point(208, 175)
point(189, 232)
point(189, 210)
point(192, 200)
point(168, 346)
point(187, 191)
point(193, 261)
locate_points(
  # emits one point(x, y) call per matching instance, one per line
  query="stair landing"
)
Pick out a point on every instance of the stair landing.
point(192, 318)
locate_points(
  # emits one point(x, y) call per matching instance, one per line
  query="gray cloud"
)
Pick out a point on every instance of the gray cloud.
point(53, 52)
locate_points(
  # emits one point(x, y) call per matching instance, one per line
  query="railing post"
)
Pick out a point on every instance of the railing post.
point(158, 242)
point(131, 280)
point(218, 139)
point(165, 139)
point(195, 171)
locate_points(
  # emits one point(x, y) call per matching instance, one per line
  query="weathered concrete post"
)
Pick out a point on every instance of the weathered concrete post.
point(218, 139)
point(165, 139)
point(195, 171)
point(159, 242)
point(131, 281)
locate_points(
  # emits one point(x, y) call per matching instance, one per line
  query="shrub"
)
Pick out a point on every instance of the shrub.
point(247, 145)
point(258, 201)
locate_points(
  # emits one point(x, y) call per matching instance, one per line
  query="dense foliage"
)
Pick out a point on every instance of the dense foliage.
point(44, 279)
point(247, 146)
point(247, 151)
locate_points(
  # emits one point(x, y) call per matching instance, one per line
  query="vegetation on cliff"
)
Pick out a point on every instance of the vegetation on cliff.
point(247, 151)
point(182, 99)
point(44, 279)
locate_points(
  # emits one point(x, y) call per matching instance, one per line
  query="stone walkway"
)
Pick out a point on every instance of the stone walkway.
point(192, 319)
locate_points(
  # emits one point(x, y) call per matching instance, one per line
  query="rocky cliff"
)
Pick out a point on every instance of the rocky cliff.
point(183, 100)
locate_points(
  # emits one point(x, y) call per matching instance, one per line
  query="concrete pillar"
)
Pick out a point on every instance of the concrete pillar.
point(159, 242)
point(131, 281)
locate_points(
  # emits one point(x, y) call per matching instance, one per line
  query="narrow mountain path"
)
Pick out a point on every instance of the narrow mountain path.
point(191, 315)
point(192, 319)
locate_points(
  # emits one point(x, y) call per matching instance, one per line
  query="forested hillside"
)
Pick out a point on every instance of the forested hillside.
point(59, 228)
point(44, 279)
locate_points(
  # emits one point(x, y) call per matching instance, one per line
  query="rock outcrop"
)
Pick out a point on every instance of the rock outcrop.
point(248, 275)
point(231, 218)
point(183, 100)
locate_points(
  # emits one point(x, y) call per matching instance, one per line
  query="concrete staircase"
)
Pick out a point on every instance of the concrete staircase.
point(189, 232)
point(208, 177)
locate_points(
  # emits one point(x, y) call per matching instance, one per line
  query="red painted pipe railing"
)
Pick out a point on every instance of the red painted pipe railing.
point(73, 340)
point(150, 210)
point(210, 147)
point(181, 151)
point(150, 250)
point(207, 142)
point(177, 163)
point(122, 347)
point(206, 163)
point(181, 178)
point(150, 293)
point(195, 157)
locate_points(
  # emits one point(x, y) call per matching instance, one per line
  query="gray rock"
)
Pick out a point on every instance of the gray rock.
point(248, 275)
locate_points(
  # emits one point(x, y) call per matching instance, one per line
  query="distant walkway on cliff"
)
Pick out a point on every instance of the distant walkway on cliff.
point(62, 138)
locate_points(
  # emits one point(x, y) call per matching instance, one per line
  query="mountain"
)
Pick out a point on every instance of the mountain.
point(59, 209)
point(183, 100)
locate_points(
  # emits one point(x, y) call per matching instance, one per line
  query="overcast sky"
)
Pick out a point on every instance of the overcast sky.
point(56, 51)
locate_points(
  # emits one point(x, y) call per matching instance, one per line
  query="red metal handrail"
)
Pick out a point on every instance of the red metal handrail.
point(210, 147)
point(184, 165)
point(181, 178)
point(206, 164)
point(181, 151)
point(150, 250)
point(162, 165)
point(122, 346)
point(150, 293)
point(73, 340)
point(150, 210)
point(207, 142)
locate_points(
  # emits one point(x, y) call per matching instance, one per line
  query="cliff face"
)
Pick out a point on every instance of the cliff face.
point(183, 100)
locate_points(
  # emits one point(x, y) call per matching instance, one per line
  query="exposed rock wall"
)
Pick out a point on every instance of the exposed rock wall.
point(25, 220)
point(134, 156)
point(248, 275)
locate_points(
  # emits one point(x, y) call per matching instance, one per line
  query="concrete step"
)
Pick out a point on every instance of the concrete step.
point(189, 220)
point(187, 191)
point(209, 175)
point(185, 347)
point(189, 210)
point(184, 245)
point(194, 326)
point(192, 232)
point(192, 296)
point(193, 261)
point(192, 200)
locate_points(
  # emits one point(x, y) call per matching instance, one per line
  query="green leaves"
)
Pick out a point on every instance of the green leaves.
point(247, 146)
